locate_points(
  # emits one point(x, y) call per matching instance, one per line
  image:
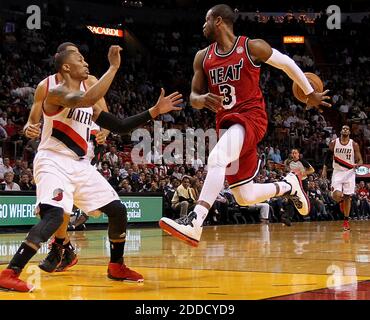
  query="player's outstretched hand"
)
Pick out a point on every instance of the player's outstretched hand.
point(114, 56)
point(213, 102)
point(101, 137)
point(317, 99)
point(33, 131)
point(167, 103)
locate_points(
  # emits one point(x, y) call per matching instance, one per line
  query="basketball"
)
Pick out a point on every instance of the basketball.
point(315, 82)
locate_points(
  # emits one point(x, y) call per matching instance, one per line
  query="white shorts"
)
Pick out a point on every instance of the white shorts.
point(344, 181)
point(62, 181)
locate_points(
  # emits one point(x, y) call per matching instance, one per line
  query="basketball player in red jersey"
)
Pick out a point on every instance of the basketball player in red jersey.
point(32, 130)
point(226, 80)
point(346, 158)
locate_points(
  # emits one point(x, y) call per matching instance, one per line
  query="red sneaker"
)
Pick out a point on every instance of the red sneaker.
point(9, 280)
point(118, 271)
point(346, 226)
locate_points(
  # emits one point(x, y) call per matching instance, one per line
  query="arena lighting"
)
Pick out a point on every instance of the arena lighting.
point(106, 31)
point(293, 39)
point(127, 3)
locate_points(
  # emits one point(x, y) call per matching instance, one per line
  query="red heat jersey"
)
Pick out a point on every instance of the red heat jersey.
point(235, 76)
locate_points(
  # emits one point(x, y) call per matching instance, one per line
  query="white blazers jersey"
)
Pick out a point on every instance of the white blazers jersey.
point(344, 155)
point(67, 131)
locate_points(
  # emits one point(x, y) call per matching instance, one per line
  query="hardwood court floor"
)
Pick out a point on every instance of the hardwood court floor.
point(311, 260)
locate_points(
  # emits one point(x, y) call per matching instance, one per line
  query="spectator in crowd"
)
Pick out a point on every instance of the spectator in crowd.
point(17, 169)
point(111, 157)
point(195, 188)
point(264, 209)
point(24, 165)
point(3, 119)
point(183, 199)
point(25, 184)
point(3, 134)
point(363, 202)
point(196, 162)
point(125, 186)
point(115, 179)
point(10, 185)
point(276, 157)
point(296, 163)
point(105, 171)
point(176, 173)
point(169, 191)
point(318, 210)
point(5, 167)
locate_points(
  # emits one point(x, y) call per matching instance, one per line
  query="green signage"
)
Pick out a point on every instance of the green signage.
point(20, 210)
point(139, 209)
point(17, 210)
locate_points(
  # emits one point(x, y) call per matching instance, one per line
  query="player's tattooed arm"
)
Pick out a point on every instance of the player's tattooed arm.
point(61, 96)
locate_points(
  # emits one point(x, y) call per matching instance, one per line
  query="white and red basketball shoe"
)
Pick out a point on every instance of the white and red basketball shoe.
point(184, 229)
point(297, 194)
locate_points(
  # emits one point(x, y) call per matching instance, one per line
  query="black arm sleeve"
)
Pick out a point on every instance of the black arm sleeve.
point(305, 163)
point(108, 121)
point(328, 157)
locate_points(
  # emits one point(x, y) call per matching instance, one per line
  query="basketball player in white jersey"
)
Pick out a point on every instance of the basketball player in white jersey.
point(32, 130)
point(63, 173)
point(346, 158)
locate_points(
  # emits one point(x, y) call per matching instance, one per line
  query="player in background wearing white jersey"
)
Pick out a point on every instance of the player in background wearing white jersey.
point(65, 176)
point(32, 130)
point(346, 158)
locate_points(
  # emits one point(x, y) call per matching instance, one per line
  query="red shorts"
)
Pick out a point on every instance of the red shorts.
point(254, 120)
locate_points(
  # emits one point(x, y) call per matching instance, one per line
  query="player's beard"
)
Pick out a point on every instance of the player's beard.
point(210, 36)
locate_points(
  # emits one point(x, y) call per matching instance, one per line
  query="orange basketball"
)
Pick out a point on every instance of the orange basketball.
point(315, 82)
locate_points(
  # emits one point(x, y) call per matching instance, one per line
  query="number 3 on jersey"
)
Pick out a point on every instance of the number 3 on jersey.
point(229, 95)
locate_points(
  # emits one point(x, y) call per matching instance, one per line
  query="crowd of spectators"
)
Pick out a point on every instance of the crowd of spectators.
point(161, 56)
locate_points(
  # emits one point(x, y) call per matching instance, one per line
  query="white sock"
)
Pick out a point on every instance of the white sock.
point(225, 151)
point(202, 213)
point(284, 187)
point(252, 193)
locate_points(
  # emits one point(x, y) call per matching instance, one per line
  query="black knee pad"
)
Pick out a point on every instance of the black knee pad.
point(51, 220)
point(117, 219)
